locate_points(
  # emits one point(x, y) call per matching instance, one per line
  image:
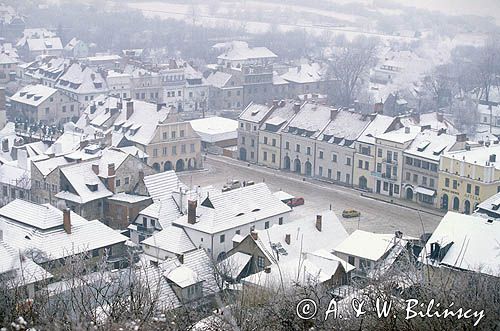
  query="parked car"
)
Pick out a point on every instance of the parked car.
point(233, 184)
point(294, 202)
point(348, 213)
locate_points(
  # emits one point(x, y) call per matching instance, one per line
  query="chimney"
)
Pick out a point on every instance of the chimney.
point(159, 106)
point(440, 116)
point(111, 169)
point(462, 137)
point(407, 129)
point(319, 220)
point(267, 270)
point(192, 211)
point(378, 108)
point(95, 169)
point(333, 113)
point(493, 158)
point(275, 103)
point(130, 109)
point(397, 235)
point(282, 103)
point(296, 107)
point(287, 238)
point(5, 145)
point(67, 220)
point(254, 235)
point(441, 131)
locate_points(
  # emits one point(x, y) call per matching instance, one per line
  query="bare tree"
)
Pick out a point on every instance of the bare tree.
point(350, 65)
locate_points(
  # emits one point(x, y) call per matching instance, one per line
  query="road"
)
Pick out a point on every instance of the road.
point(376, 216)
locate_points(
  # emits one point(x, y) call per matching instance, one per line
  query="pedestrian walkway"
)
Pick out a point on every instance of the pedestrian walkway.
point(404, 203)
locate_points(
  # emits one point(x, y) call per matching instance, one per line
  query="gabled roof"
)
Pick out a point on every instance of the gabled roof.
point(54, 243)
point(43, 44)
point(239, 51)
point(380, 124)
point(401, 136)
point(214, 129)
point(165, 211)
point(345, 127)
point(6, 59)
point(431, 145)
point(305, 73)
point(235, 208)
point(310, 120)
point(254, 113)
point(37, 216)
point(82, 79)
point(466, 242)
point(280, 116)
point(218, 79)
point(161, 185)
point(366, 245)
point(33, 95)
point(171, 239)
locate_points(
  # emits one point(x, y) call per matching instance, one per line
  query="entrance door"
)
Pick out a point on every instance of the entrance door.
point(378, 186)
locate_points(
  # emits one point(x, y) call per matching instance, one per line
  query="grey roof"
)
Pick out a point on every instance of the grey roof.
point(38, 216)
point(431, 145)
point(310, 120)
point(346, 126)
point(33, 95)
point(218, 79)
point(255, 113)
point(161, 185)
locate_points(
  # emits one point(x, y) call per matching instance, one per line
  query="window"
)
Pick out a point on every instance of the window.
point(183, 149)
point(222, 238)
point(181, 133)
point(191, 148)
point(308, 151)
point(320, 171)
point(238, 232)
point(72, 107)
point(360, 164)
point(164, 150)
point(173, 134)
point(379, 167)
point(63, 109)
point(447, 182)
point(379, 152)
point(46, 110)
point(348, 161)
point(297, 148)
point(243, 140)
point(396, 189)
point(266, 225)
point(338, 175)
point(424, 180)
point(274, 142)
point(265, 156)
point(252, 143)
point(431, 182)
point(118, 183)
point(273, 158)
point(476, 190)
point(260, 262)
point(265, 140)
point(386, 186)
point(155, 152)
point(334, 157)
point(469, 188)
point(408, 176)
point(329, 173)
point(455, 184)
point(389, 156)
point(127, 180)
point(415, 178)
point(321, 154)
point(280, 220)
point(287, 145)
point(395, 156)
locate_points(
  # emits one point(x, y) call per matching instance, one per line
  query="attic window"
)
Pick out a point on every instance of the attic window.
point(256, 209)
point(92, 187)
point(27, 237)
point(239, 214)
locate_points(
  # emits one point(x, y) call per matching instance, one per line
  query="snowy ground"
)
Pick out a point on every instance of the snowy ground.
point(376, 216)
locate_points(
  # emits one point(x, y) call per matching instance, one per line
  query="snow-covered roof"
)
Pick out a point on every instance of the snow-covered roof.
point(128, 198)
point(477, 155)
point(282, 195)
point(6, 59)
point(310, 120)
point(44, 44)
point(197, 266)
point(466, 242)
point(489, 208)
point(82, 79)
point(235, 208)
point(165, 211)
point(280, 116)
point(240, 51)
point(435, 120)
point(33, 95)
point(25, 270)
point(254, 113)
point(215, 129)
point(235, 264)
point(171, 239)
point(46, 166)
point(104, 57)
point(345, 127)
point(16, 176)
point(429, 144)
point(307, 257)
point(161, 185)
point(305, 73)
point(24, 229)
point(380, 124)
point(366, 245)
point(218, 79)
point(400, 136)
